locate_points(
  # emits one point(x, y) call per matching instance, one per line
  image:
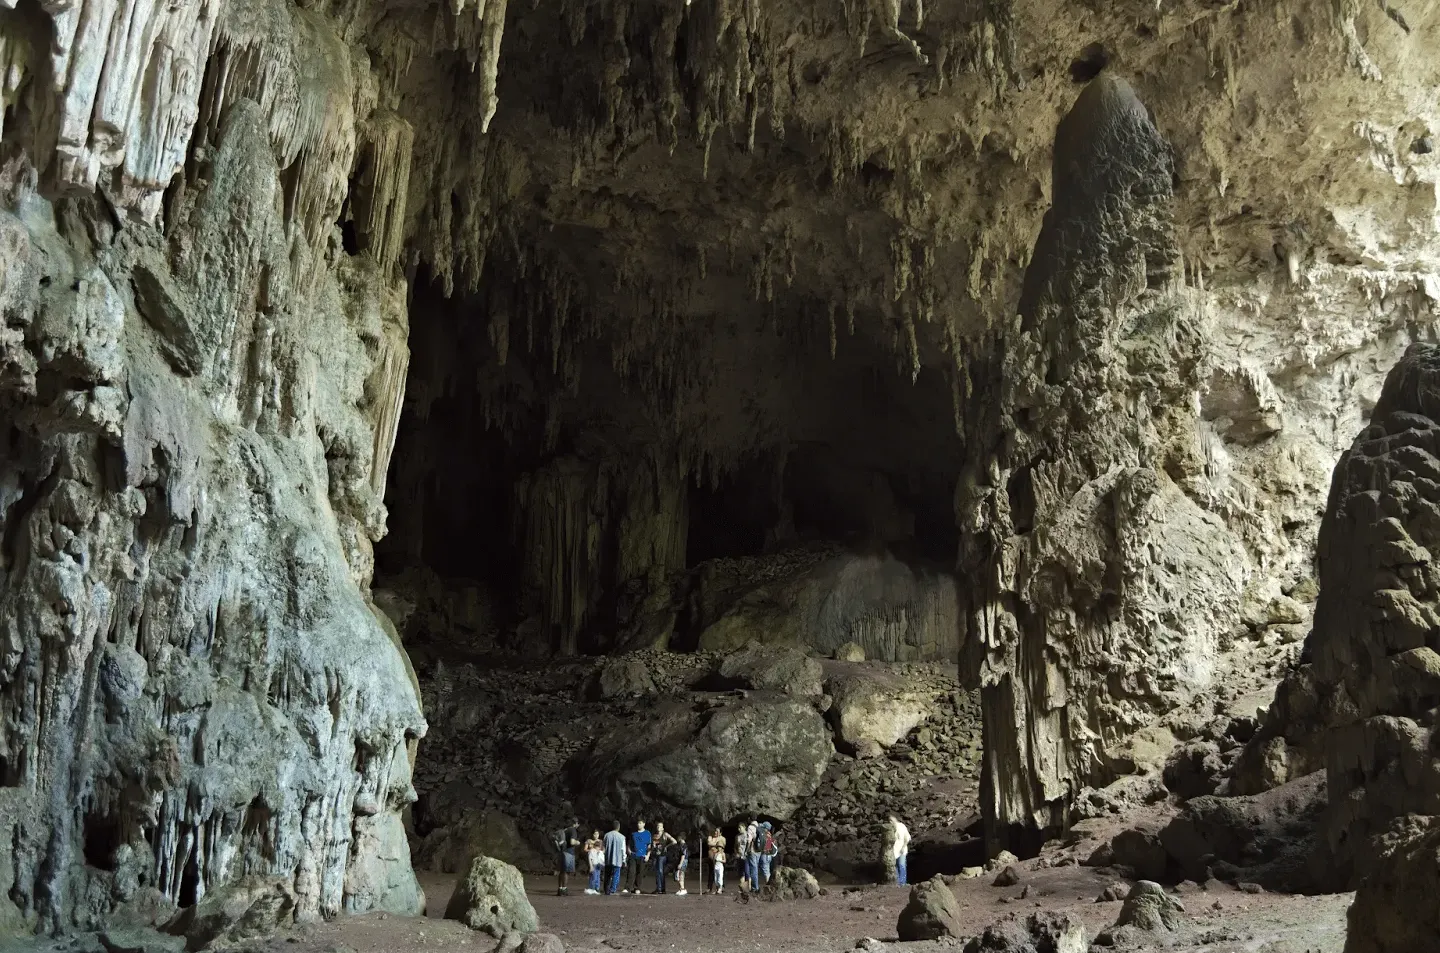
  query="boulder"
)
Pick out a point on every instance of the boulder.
point(875, 707)
point(251, 907)
point(1149, 907)
point(1008, 877)
point(1139, 848)
point(1269, 835)
point(777, 668)
point(542, 943)
point(621, 677)
point(755, 754)
point(850, 652)
point(932, 912)
point(792, 883)
point(1045, 932)
point(491, 897)
point(1194, 770)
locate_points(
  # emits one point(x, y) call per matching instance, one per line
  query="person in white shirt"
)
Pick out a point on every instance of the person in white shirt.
point(899, 853)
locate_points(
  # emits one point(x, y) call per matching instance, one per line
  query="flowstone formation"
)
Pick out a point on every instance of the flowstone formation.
point(1103, 589)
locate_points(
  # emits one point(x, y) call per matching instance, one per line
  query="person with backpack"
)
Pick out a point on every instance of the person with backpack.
point(765, 849)
point(614, 859)
point(566, 840)
point(749, 860)
point(639, 856)
point(660, 851)
point(715, 846)
point(595, 856)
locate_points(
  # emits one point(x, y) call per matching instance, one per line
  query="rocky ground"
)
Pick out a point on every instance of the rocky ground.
point(1217, 919)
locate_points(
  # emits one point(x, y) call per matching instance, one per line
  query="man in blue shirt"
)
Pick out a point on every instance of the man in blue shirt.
point(639, 854)
point(614, 858)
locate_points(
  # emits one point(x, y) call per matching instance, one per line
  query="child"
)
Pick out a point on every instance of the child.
point(716, 843)
point(681, 866)
point(595, 855)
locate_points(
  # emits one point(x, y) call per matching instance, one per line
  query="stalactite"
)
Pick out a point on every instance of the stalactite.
point(385, 186)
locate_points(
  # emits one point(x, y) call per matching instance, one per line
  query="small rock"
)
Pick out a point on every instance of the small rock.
point(1001, 860)
point(1008, 877)
point(542, 943)
point(869, 944)
point(850, 652)
point(1249, 887)
point(970, 873)
point(1149, 907)
point(1116, 891)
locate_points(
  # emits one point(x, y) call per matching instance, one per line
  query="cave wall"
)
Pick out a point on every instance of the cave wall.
point(199, 390)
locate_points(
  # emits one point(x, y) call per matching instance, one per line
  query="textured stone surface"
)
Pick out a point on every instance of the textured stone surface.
point(1365, 702)
point(872, 707)
point(1085, 539)
point(705, 768)
point(1148, 907)
point(1037, 933)
point(785, 669)
point(490, 896)
point(193, 683)
point(930, 914)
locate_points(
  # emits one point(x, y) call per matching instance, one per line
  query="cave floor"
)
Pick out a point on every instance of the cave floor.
point(1221, 920)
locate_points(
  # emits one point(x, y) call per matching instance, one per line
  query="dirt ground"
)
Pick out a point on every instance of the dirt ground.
point(1223, 920)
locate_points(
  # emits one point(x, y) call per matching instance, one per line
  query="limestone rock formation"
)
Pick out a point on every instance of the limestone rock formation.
point(1365, 702)
point(707, 767)
point(931, 912)
point(1083, 536)
point(490, 896)
point(253, 906)
point(1394, 909)
point(783, 668)
point(872, 707)
point(193, 683)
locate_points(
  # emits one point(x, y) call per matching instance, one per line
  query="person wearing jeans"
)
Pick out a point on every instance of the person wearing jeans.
point(614, 858)
point(595, 857)
point(901, 851)
point(660, 848)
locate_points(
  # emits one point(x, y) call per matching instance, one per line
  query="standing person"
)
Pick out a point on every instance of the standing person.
point(566, 840)
point(595, 856)
point(614, 858)
point(764, 849)
point(715, 846)
point(682, 865)
point(749, 859)
point(750, 854)
point(660, 849)
point(639, 856)
point(900, 852)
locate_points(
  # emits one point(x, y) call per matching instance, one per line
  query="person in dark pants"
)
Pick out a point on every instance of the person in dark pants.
point(660, 849)
point(639, 856)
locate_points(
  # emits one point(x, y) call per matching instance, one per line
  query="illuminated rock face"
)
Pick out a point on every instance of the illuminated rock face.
point(682, 260)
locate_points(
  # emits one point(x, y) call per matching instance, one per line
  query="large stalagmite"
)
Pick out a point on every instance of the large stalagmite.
point(1101, 587)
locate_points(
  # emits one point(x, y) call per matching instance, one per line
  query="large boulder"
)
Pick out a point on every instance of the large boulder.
point(1149, 907)
point(625, 676)
point(1045, 932)
point(689, 765)
point(777, 668)
point(879, 707)
point(491, 897)
point(932, 912)
point(250, 907)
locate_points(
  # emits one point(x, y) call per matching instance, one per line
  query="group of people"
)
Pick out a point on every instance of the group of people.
point(630, 858)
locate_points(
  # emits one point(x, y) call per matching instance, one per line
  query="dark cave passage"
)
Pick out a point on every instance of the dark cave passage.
point(545, 505)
